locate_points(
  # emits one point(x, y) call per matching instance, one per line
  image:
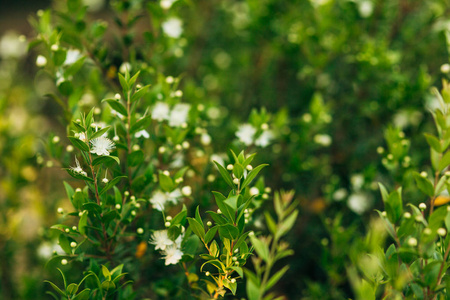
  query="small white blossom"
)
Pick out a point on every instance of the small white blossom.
point(77, 168)
point(173, 27)
point(160, 111)
point(72, 56)
point(102, 146)
point(264, 139)
point(143, 133)
point(179, 114)
point(359, 203)
point(245, 134)
point(172, 255)
point(186, 191)
point(41, 61)
point(166, 4)
point(124, 67)
point(160, 239)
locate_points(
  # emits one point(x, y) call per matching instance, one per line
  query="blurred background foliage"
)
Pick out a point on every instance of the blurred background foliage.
point(345, 84)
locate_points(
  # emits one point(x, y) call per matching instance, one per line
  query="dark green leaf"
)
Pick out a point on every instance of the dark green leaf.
point(78, 143)
point(117, 106)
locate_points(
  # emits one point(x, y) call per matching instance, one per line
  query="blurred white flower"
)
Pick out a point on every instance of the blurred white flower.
point(102, 146)
point(365, 8)
point(359, 203)
point(72, 56)
point(445, 68)
point(322, 139)
point(166, 4)
point(143, 133)
point(186, 191)
point(12, 45)
point(264, 139)
point(205, 139)
point(245, 134)
point(158, 200)
point(124, 67)
point(357, 181)
point(174, 196)
point(160, 239)
point(94, 5)
point(41, 61)
point(172, 255)
point(179, 114)
point(160, 111)
point(173, 27)
point(340, 194)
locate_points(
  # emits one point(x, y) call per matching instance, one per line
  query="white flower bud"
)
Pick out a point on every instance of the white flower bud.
point(136, 147)
point(97, 111)
point(422, 206)
point(209, 223)
point(54, 47)
point(412, 242)
point(117, 96)
point(423, 174)
point(178, 147)
point(249, 167)
point(169, 79)
point(73, 244)
point(137, 205)
point(186, 191)
point(166, 173)
point(133, 213)
point(55, 139)
point(69, 148)
point(41, 61)
point(169, 218)
point(442, 232)
point(427, 231)
point(407, 215)
point(186, 145)
point(445, 68)
point(178, 93)
point(230, 167)
point(236, 181)
point(116, 138)
point(77, 190)
point(105, 180)
point(219, 211)
point(126, 193)
point(74, 228)
point(118, 206)
point(167, 224)
point(140, 230)
point(390, 156)
point(207, 273)
point(60, 210)
point(67, 230)
point(265, 196)
point(162, 149)
point(384, 214)
point(64, 261)
point(268, 190)
point(380, 150)
point(184, 125)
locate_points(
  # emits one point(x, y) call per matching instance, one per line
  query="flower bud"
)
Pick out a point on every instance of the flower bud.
point(422, 206)
point(140, 230)
point(412, 242)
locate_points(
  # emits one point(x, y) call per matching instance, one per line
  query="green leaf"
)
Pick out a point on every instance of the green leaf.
point(106, 273)
point(232, 202)
point(140, 124)
point(132, 80)
point(225, 175)
point(135, 158)
point(117, 106)
point(165, 182)
point(270, 223)
point(228, 231)
point(99, 132)
point(252, 175)
point(218, 218)
point(287, 224)
point(261, 248)
point(424, 184)
point(56, 288)
point(431, 272)
point(253, 291)
point(227, 211)
point(104, 159)
point(210, 234)
point(394, 206)
point(191, 245)
point(276, 277)
point(111, 184)
point(89, 118)
point(433, 142)
point(78, 126)
point(197, 228)
point(83, 295)
point(139, 93)
point(78, 143)
point(124, 84)
point(444, 162)
point(69, 190)
point(64, 243)
point(180, 218)
point(72, 288)
point(238, 170)
point(198, 217)
point(82, 223)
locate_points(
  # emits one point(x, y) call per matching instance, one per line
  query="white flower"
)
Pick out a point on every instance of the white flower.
point(160, 239)
point(173, 27)
point(158, 200)
point(322, 139)
point(78, 168)
point(173, 196)
point(102, 146)
point(359, 203)
point(205, 139)
point(124, 67)
point(166, 4)
point(142, 133)
point(245, 134)
point(264, 139)
point(160, 111)
point(186, 190)
point(72, 56)
point(179, 114)
point(172, 255)
point(41, 61)
point(340, 194)
point(12, 45)
point(445, 68)
point(82, 136)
